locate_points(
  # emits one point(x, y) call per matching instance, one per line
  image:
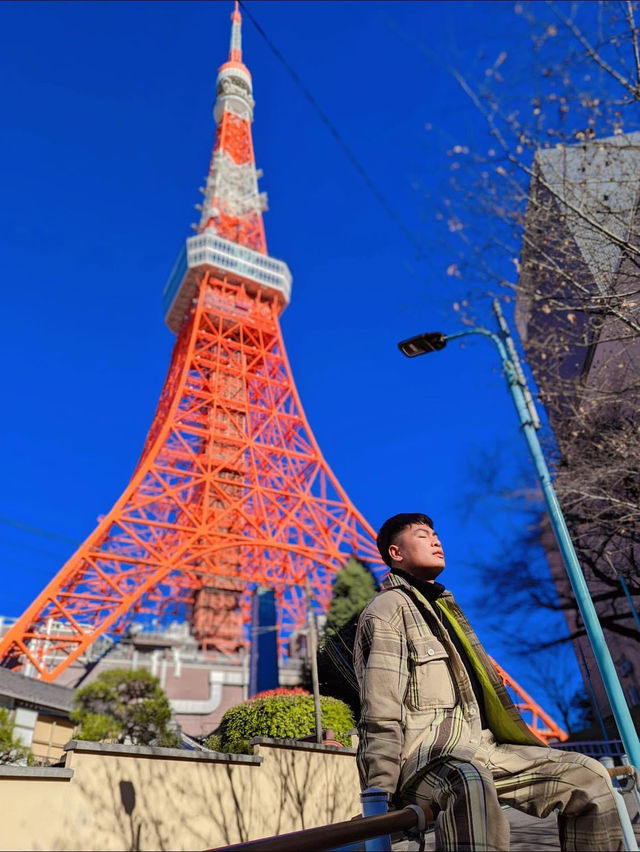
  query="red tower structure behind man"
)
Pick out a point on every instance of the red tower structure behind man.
point(231, 490)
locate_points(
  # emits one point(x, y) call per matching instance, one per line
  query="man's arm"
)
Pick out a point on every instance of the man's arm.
point(381, 665)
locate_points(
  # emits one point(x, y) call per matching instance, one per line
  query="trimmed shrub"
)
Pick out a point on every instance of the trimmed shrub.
point(214, 742)
point(280, 717)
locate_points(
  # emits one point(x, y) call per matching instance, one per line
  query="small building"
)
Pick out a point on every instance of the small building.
point(41, 712)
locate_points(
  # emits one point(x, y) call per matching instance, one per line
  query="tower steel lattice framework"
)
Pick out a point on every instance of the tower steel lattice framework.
point(231, 490)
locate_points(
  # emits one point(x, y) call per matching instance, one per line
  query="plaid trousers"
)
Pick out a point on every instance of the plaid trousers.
point(532, 779)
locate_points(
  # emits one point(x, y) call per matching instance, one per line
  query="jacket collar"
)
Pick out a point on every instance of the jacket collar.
point(394, 581)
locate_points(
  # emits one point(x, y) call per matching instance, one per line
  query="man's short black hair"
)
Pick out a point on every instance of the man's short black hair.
point(392, 526)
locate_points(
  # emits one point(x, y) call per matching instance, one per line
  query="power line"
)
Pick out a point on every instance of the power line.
point(11, 522)
point(414, 238)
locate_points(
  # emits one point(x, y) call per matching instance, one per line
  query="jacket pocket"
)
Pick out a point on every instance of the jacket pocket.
point(430, 682)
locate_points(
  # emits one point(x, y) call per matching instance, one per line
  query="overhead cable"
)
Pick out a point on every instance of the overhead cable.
point(414, 238)
point(37, 531)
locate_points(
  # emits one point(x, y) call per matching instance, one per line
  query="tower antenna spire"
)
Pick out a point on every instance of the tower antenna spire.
point(233, 205)
point(235, 47)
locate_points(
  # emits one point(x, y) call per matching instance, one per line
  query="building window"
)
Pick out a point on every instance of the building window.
point(50, 734)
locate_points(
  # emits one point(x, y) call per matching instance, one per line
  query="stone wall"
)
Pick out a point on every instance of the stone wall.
point(116, 797)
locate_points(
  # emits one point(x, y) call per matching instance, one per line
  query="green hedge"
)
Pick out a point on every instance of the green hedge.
point(280, 717)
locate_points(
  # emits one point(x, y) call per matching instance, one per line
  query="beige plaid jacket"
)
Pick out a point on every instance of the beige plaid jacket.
point(418, 706)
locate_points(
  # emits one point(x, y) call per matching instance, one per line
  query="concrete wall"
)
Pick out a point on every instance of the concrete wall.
point(115, 797)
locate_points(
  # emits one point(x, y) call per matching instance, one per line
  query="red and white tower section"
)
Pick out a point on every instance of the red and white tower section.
point(231, 491)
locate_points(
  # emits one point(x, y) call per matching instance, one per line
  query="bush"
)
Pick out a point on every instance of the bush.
point(280, 717)
point(129, 706)
point(97, 727)
point(11, 748)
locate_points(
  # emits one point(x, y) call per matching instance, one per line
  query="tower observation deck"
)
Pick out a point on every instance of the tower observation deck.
point(230, 236)
point(240, 264)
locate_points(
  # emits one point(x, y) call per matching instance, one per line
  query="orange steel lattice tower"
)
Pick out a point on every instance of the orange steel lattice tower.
point(231, 490)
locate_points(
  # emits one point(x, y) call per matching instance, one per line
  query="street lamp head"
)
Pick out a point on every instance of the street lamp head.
point(430, 341)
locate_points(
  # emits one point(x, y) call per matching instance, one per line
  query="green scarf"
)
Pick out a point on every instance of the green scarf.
point(500, 723)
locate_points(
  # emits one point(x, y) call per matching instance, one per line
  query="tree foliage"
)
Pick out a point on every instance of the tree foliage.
point(353, 588)
point(126, 705)
point(11, 748)
point(280, 717)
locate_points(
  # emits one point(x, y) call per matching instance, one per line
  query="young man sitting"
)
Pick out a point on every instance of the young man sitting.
point(438, 727)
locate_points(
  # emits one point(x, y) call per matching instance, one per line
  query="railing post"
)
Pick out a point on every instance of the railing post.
point(630, 842)
point(374, 802)
point(312, 647)
point(636, 792)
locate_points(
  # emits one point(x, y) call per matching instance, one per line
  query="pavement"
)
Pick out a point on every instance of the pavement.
point(527, 834)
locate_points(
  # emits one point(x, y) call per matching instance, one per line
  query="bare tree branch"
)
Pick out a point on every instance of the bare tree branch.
point(593, 53)
point(634, 39)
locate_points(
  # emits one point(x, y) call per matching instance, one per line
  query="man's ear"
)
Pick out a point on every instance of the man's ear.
point(394, 553)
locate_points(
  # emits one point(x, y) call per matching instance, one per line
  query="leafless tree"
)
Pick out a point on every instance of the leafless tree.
point(545, 216)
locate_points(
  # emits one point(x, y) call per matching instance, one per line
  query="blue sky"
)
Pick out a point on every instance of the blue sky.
point(106, 132)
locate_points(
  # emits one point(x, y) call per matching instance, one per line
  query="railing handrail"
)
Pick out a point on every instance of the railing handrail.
point(594, 748)
point(327, 837)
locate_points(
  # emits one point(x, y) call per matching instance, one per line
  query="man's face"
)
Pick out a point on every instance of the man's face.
point(417, 550)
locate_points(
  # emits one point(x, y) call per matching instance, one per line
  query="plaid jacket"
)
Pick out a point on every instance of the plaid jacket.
point(418, 705)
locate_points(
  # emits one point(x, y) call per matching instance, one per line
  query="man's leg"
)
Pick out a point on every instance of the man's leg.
point(470, 818)
point(537, 779)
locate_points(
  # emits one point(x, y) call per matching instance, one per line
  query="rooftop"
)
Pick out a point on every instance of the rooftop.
point(31, 691)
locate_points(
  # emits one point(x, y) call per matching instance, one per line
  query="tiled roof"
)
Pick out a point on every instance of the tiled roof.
point(45, 695)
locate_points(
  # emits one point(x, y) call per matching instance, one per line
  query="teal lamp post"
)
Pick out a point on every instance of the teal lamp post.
point(434, 341)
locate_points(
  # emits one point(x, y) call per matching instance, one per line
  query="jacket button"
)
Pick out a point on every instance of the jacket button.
point(431, 652)
point(472, 711)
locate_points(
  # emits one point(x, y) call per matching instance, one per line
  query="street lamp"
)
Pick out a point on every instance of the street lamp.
point(431, 341)
point(516, 381)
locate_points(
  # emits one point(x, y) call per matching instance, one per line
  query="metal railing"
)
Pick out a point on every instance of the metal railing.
point(344, 836)
point(594, 748)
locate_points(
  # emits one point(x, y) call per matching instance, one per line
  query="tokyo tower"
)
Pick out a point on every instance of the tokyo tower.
point(231, 491)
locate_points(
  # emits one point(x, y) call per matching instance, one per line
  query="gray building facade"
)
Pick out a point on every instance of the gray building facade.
point(578, 316)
